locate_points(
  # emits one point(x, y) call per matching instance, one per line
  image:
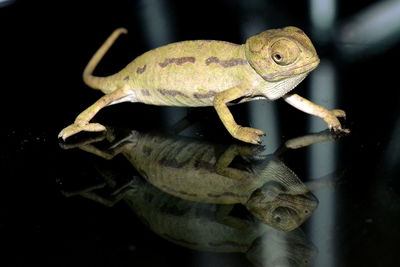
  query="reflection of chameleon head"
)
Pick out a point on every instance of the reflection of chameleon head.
point(284, 212)
point(284, 202)
point(281, 54)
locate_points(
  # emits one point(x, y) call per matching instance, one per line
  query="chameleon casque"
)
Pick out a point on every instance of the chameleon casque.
point(210, 73)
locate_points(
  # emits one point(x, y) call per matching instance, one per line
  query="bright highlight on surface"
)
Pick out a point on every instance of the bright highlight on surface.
point(372, 30)
point(323, 14)
point(4, 3)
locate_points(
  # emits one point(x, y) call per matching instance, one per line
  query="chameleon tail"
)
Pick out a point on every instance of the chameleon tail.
point(100, 82)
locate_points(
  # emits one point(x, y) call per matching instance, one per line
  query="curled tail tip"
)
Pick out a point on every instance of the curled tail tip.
point(121, 30)
point(98, 82)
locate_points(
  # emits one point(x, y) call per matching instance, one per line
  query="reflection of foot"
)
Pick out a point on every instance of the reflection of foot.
point(76, 128)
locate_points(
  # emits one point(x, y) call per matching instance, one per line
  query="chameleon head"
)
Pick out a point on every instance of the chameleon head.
point(281, 54)
point(282, 211)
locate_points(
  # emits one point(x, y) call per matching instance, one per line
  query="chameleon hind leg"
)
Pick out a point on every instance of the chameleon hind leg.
point(81, 122)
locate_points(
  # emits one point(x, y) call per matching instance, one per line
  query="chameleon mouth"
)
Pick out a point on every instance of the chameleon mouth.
point(291, 72)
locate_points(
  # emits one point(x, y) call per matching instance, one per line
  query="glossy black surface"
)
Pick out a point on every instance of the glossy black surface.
point(44, 47)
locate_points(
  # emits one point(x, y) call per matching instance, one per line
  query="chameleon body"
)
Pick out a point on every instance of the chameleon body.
point(203, 226)
point(210, 73)
point(201, 171)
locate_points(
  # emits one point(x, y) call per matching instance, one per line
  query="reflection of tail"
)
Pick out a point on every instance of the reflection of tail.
point(99, 82)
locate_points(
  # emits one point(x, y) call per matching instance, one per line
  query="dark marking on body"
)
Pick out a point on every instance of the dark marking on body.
point(225, 194)
point(201, 164)
point(211, 60)
point(177, 60)
point(147, 151)
point(226, 243)
point(141, 70)
point(209, 94)
point(173, 163)
point(180, 192)
point(173, 93)
point(145, 92)
point(187, 194)
point(126, 78)
point(226, 63)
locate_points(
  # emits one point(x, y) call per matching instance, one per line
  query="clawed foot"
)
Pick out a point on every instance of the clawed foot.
point(339, 113)
point(333, 122)
point(76, 128)
point(248, 135)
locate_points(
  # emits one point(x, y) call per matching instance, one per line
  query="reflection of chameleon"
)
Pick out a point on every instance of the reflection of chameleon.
point(194, 170)
point(211, 73)
point(203, 172)
point(190, 172)
point(206, 227)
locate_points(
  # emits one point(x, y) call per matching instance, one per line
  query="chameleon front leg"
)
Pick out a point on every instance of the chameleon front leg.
point(82, 121)
point(223, 161)
point(329, 116)
point(246, 134)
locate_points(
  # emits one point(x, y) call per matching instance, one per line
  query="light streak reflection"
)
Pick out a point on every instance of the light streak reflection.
point(322, 160)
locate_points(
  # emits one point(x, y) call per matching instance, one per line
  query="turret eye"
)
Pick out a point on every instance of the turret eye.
point(277, 219)
point(284, 52)
point(277, 57)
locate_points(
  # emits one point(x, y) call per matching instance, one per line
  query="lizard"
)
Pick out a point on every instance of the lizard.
point(207, 172)
point(197, 226)
point(210, 73)
point(186, 216)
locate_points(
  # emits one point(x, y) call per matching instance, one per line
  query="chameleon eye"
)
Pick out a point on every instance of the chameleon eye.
point(277, 57)
point(284, 52)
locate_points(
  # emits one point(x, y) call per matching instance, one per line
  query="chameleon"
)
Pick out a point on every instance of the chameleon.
point(210, 73)
point(213, 226)
point(199, 226)
point(226, 174)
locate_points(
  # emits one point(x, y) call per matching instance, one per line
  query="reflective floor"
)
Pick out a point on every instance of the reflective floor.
point(169, 186)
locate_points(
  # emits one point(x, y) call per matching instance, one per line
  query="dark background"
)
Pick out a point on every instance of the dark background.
point(44, 47)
